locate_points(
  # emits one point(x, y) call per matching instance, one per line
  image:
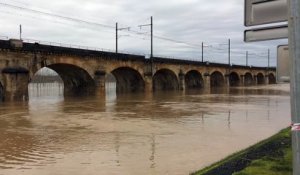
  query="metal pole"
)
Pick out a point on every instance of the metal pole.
point(151, 37)
point(229, 52)
point(268, 59)
point(294, 48)
point(246, 58)
point(202, 51)
point(20, 32)
point(151, 56)
point(116, 37)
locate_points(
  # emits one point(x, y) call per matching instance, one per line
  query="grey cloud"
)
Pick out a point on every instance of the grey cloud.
point(193, 21)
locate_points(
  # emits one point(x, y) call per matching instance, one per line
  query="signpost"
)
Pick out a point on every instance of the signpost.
point(266, 33)
point(258, 12)
point(283, 64)
point(294, 47)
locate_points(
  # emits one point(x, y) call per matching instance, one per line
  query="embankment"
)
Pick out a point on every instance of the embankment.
point(272, 154)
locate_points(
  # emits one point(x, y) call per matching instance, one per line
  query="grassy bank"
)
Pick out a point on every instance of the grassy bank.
point(272, 156)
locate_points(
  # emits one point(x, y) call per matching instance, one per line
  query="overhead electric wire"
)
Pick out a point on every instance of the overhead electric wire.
point(50, 20)
point(110, 27)
point(218, 49)
point(19, 2)
point(93, 23)
point(54, 15)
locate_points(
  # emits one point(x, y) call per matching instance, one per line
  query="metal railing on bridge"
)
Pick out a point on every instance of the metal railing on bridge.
point(89, 48)
point(74, 46)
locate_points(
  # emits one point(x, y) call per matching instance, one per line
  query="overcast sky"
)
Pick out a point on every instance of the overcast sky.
point(191, 21)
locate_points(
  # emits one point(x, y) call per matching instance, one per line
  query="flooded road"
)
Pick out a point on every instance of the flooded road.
point(132, 134)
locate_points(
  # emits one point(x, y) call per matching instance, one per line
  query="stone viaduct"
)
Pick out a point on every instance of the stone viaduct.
point(85, 71)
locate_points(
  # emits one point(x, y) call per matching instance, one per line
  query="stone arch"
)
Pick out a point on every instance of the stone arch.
point(76, 80)
point(128, 80)
point(48, 60)
point(165, 79)
point(217, 79)
point(272, 78)
point(260, 79)
point(193, 80)
point(248, 79)
point(234, 79)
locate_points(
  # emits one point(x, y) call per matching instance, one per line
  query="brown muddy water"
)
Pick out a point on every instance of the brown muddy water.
point(132, 134)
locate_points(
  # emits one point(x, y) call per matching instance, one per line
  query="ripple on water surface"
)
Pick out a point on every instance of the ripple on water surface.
point(163, 133)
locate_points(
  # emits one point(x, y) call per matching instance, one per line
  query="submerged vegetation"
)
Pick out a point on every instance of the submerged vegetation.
point(272, 156)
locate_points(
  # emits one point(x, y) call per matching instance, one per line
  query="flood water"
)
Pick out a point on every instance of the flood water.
point(132, 134)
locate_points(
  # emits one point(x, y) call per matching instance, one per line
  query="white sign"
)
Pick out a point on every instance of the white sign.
point(258, 12)
point(283, 64)
point(266, 33)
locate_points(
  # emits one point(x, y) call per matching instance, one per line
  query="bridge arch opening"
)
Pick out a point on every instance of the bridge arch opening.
point(260, 79)
point(128, 80)
point(248, 79)
point(45, 82)
point(193, 80)
point(1, 92)
point(76, 80)
point(272, 78)
point(165, 79)
point(217, 79)
point(234, 79)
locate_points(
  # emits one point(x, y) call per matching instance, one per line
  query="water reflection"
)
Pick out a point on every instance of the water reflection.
point(162, 133)
point(110, 96)
point(54, 89)
point(152, 157)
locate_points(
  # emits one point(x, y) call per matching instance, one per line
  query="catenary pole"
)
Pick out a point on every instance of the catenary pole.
point(151, 24)
point(117, 37)
point(151, 41)
point(268, 59)
point(202, 46)
point(20, 30)
point(151, 56)
point(294, 48)
point(246, 58)
point(229, 62)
